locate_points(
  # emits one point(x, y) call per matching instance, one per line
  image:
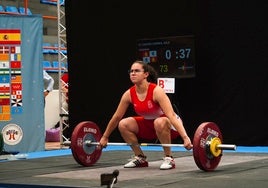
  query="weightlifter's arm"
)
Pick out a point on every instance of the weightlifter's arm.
point(163, 100)
point(118, 115)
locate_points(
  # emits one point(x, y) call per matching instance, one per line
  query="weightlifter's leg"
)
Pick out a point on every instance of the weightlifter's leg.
point(162, 128)
point(128, 128)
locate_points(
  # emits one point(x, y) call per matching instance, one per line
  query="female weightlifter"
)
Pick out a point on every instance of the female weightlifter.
point(155, 118)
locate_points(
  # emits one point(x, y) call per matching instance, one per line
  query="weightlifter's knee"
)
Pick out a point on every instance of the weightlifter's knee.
point(128, 124)
point(161, 124)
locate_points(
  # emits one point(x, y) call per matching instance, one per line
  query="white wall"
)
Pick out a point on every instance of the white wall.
point(52, 109)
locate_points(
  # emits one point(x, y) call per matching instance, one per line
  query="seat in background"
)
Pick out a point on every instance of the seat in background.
point(63, 48)
point(2, 9)
point(12, 9)
point(22, 10)
point(52, 2)
point(47, 65)
point(47, 48)
point(55, 65)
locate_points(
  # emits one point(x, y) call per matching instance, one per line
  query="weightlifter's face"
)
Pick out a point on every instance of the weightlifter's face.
point(137, 73)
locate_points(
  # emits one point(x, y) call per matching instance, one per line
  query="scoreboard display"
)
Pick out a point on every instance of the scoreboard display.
point(172, 57)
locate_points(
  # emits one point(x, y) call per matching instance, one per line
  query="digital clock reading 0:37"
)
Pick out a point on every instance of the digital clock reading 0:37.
point(170, 56)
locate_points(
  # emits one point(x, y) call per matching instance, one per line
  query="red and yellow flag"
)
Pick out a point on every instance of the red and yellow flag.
point(10, 36)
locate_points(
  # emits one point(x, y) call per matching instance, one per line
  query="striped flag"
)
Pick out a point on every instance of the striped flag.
point(10, 36)
point(15, 71)
point(4, 95)
point(4, 87)
point(4, 71)
point(15, 57)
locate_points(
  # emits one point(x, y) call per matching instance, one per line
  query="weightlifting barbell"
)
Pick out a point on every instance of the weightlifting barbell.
point(207, 145)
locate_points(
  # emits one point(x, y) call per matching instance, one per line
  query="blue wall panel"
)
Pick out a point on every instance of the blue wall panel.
point(21, 86)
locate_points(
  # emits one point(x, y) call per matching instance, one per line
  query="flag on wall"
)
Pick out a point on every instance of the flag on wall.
point(10, 36)
point(10, 73)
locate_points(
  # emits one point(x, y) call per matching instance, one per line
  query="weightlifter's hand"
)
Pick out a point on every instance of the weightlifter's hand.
point(187, 143)
point(103, 142)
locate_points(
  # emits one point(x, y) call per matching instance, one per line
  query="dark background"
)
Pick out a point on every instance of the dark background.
point(231, 83)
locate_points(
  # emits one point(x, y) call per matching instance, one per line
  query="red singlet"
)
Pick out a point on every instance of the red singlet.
point(148, 111)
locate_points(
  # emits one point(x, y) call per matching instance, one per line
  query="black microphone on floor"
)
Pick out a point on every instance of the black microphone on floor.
point(115, 173)
point(109, 179)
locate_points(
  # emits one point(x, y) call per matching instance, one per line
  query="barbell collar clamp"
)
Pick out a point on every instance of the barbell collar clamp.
point(226, 146)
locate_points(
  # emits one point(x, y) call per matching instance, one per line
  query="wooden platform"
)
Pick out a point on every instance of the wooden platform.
point(53, 145)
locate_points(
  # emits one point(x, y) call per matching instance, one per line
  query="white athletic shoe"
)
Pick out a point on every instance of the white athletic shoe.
point(136, 161)
point(168, 163)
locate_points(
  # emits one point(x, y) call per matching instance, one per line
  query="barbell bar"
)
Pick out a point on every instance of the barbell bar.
point(90, 143)
point(207, 145)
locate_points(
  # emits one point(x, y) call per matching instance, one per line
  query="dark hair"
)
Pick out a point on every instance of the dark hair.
point(148, 68)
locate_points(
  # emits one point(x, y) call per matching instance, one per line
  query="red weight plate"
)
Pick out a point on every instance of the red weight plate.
point(83, 154)
point(203, 159)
